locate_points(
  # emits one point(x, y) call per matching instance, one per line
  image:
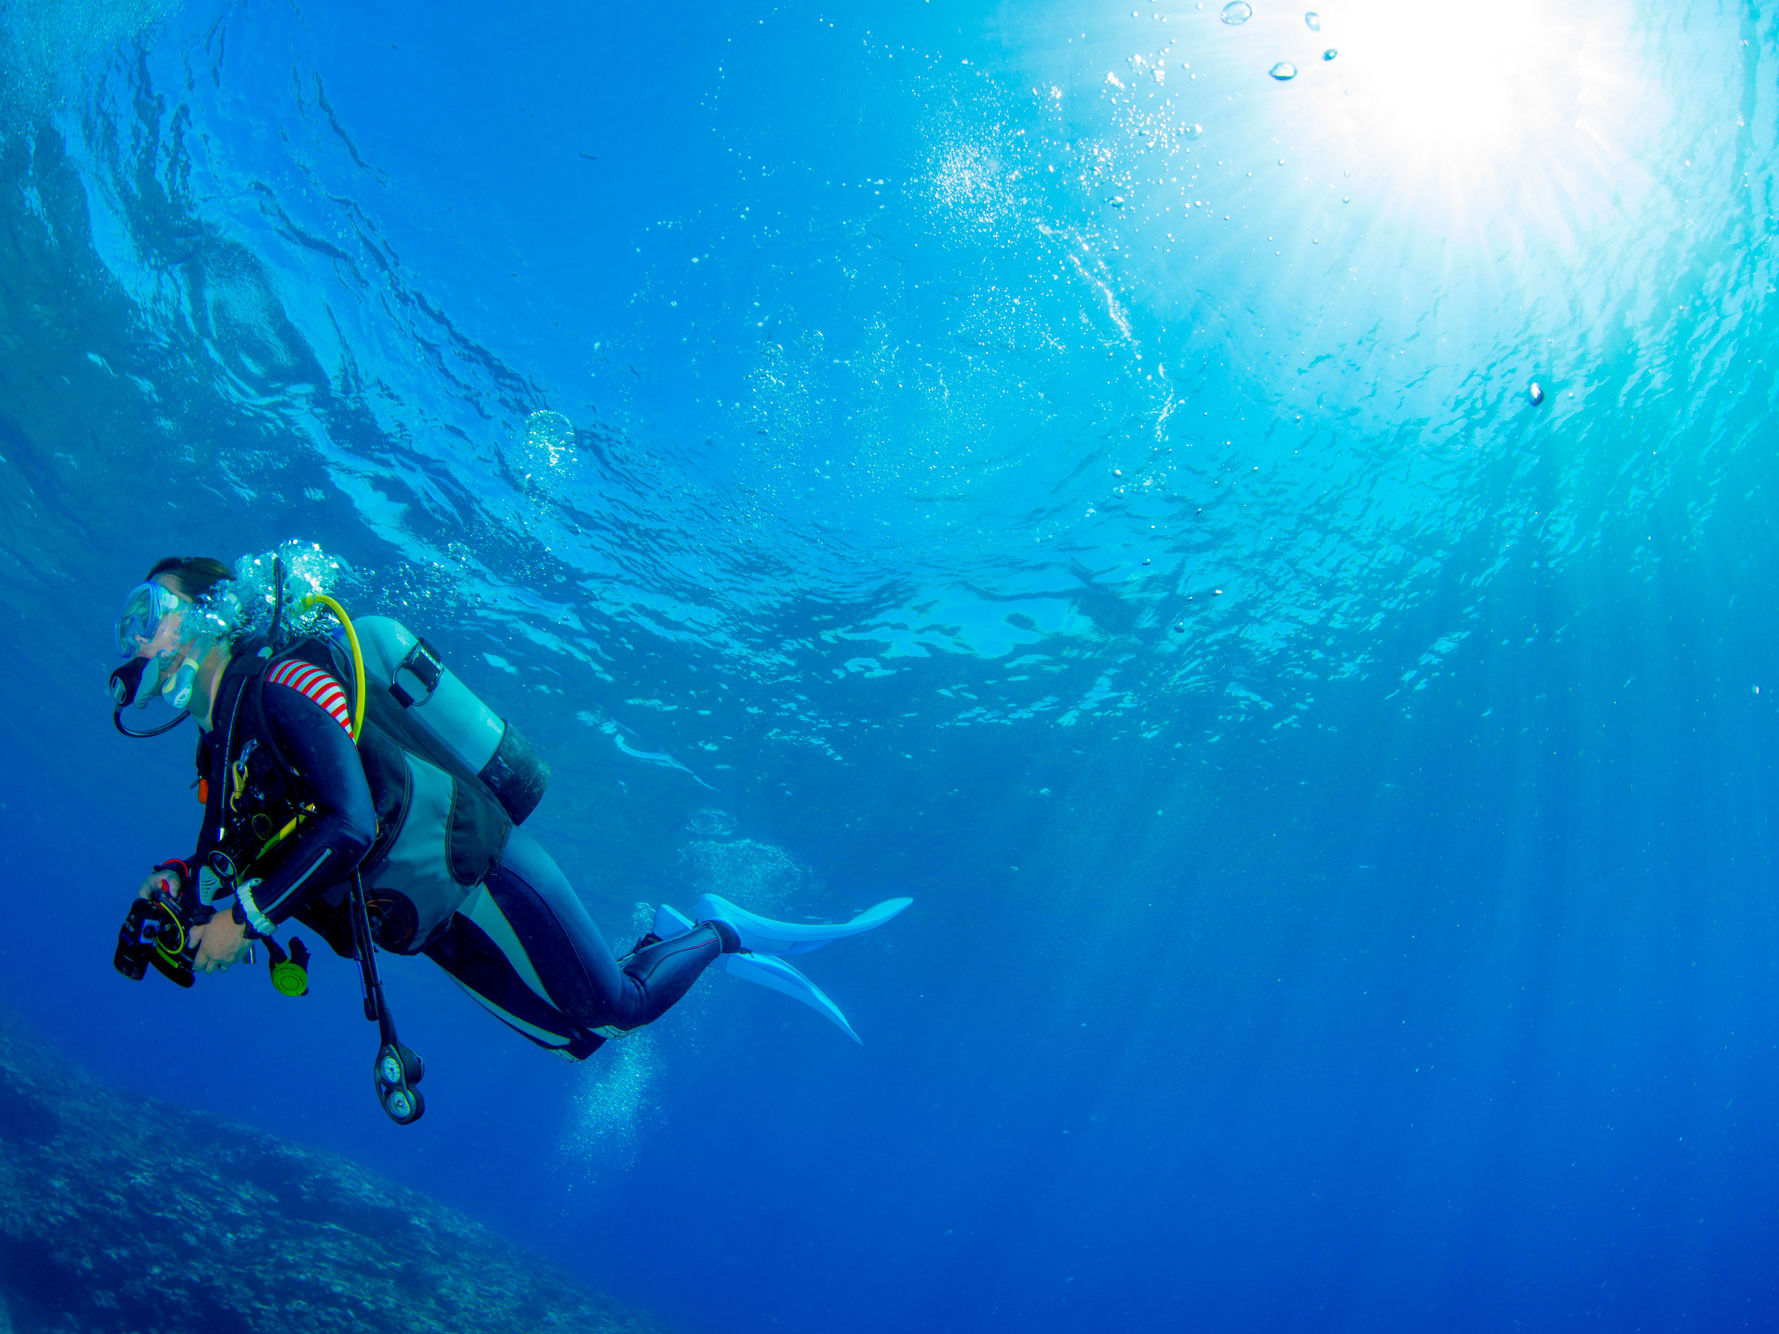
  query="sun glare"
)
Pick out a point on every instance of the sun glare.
point(1458, 76)
point(1514, 110)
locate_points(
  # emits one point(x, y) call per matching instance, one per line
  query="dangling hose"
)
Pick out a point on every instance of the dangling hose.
point(397, 1068)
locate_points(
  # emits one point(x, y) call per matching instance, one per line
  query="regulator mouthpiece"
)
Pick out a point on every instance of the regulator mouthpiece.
point(137, 682)
point(126, 682)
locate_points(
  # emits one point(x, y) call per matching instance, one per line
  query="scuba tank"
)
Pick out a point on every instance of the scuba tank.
point(446, 713)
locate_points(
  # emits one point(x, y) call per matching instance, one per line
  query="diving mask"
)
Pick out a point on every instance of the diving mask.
point(160, 658)
point(145, 610)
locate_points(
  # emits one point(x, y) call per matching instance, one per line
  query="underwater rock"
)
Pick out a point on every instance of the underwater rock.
point(122, 1214)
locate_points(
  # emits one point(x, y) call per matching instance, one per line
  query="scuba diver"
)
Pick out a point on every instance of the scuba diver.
point(352, 783)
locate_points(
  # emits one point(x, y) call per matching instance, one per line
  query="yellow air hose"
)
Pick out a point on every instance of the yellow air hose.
point(323, 600)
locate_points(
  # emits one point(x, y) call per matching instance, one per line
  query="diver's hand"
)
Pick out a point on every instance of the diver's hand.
point(173, 881)
point(220, 941)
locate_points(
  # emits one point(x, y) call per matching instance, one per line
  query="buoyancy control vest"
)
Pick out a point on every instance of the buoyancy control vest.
point(441, 821)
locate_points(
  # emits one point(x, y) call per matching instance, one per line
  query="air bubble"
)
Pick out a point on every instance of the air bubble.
point(1314, 20)
point(1330, 54)
point(1283, 71)
point(1193, 130)
point(1237, 11)
point(709, 822)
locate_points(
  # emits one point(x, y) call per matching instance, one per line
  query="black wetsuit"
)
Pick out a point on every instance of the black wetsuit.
point(521, 942)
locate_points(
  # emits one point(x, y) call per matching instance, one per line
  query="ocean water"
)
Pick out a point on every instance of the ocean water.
point(1034, 458)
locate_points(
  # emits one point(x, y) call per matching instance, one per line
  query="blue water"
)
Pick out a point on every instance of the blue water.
point(1026, 458)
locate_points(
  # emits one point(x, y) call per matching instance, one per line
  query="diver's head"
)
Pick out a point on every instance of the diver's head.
point(171, 624)
point(194, 578)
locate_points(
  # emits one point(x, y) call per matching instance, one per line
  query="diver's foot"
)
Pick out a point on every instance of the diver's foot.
point(671, 922)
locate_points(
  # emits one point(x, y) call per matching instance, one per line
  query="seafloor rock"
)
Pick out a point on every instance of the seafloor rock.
point(121, 1214)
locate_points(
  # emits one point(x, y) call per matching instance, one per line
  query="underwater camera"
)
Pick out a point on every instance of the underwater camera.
point(156, 931)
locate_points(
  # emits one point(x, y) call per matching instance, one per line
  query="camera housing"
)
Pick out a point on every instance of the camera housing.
point(156, 931)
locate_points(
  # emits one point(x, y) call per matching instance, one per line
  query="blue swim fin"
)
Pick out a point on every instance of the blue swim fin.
point(762, 935)
point(763, 970)
point(768, 970)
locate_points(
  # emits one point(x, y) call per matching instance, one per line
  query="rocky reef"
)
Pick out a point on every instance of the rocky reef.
point(122, 1214)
